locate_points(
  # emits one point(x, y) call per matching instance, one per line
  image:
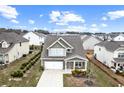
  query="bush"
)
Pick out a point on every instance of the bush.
point(24, 55)
point(24, 65)
point(41, 68)
point(78, 73)
point(30, 52)
point(27, 68)
point(17, 74)
point(24, 70)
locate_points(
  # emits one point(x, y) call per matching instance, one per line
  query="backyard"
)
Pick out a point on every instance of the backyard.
point(97, 76)
point(30, 78)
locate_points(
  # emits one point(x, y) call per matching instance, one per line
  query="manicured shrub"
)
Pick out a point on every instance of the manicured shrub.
point(78, 73)
point(24, 55)
point(24, 65)
point(41, 68)
point(17, 74)
point(24, 70)
point(30, 52)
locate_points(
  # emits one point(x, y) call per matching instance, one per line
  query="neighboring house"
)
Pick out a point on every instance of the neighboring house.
point(110, 53)
point(12, 47)
point(35, 38)
point(119, 38)
point(63, 52)
point(89, 42)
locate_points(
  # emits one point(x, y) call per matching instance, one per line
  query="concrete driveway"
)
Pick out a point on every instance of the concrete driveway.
point(51, 78)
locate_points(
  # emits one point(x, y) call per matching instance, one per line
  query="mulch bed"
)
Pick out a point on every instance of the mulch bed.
point(78, 81)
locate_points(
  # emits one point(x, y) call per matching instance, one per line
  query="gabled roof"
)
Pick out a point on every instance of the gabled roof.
point(39, 34)
point(75, 57)
point(73, 40)
point(62, 42)
point(11, 38)
point(86, 37)
point(111, 45)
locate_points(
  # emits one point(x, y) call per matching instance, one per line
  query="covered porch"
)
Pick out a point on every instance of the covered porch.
point(118, 64)
point(76, 63)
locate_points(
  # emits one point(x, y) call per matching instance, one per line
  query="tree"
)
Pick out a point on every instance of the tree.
point(42, 31)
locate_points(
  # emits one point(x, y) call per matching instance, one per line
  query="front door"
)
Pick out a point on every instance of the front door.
point(69, 65)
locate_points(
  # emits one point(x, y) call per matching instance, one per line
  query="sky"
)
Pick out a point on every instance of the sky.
point(62, 18)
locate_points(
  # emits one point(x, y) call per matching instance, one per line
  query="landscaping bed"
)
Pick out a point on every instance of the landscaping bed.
point(71, 81)
point(98, 77)
point(29, 79)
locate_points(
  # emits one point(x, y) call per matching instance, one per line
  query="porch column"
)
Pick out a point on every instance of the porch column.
point(65, 65)
point(74, 65)
point(85, 65)
point(116, 66)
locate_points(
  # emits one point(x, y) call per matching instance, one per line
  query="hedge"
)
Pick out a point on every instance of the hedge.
point(26, 66)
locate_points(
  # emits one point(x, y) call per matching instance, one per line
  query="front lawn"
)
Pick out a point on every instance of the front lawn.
point(99, 78)
point(30, 79)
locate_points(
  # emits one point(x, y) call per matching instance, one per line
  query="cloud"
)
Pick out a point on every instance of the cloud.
point(65, 17)
point(31, 21)
point(41, 15)
point(35, 28)
point(115, 14)
point(8, 12)
point(71, 28)
point(94, 25)
point(93, 28)
point(14, 21)
point(104, 25)
point(104, 18)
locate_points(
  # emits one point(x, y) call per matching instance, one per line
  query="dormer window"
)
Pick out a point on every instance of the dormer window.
point(4, 44)
point(69, 50)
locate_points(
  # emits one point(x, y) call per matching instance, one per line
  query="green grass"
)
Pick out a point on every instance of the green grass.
point(29, 81)
point(102, 79)
point(66, 83)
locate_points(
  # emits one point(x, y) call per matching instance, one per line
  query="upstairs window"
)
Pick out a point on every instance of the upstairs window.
point(120, 55)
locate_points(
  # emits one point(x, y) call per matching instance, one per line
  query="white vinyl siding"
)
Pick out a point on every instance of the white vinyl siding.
point(56, 52)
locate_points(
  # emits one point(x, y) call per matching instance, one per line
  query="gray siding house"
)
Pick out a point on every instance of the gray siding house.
point(63, 52)
point(12, 47)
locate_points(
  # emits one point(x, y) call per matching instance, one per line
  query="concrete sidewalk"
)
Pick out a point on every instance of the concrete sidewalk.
point(51, 78)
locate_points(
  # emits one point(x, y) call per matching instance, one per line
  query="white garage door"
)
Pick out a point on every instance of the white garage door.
point(53, 64)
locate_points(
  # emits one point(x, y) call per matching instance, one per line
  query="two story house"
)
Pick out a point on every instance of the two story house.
point(63, 52)
point(89, 42)
point(12, 47)
point(110, 53)
point(35, 38)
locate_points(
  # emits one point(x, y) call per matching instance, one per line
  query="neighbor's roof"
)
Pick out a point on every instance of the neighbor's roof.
point(40, 34)
point(111, 45)
point(73, 40)
point(11, 38)
point(86, 37)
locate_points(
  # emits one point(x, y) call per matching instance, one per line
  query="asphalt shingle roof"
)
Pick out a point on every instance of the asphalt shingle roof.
point(73, 40)
point(111, 45)
point(11, 38)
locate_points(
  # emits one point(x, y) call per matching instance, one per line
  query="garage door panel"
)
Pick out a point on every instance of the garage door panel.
point(53, 64)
